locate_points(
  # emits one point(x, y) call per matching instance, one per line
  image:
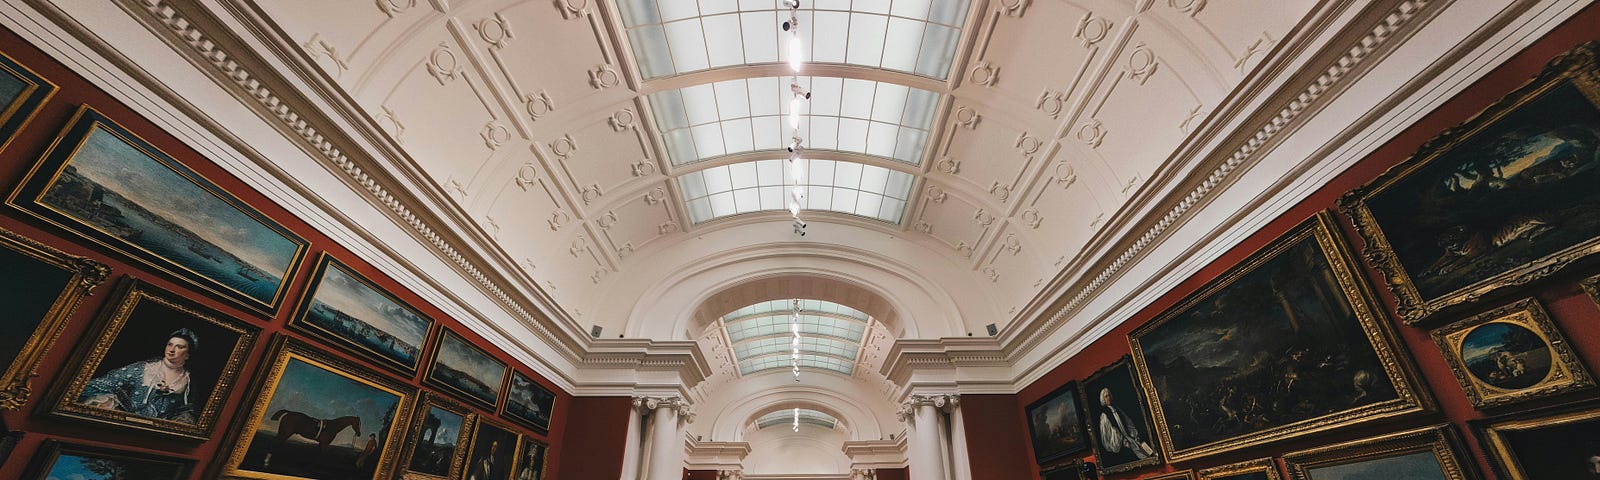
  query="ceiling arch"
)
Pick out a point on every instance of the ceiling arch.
point(725, 414)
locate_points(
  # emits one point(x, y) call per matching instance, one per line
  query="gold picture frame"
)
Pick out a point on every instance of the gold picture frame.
point(1443, 251)
point(1333, 302)
point(1178, 475)
point(1235, 471)
point(1440, 442)
point(140, 318)
point(427, 402)
point(541, 454)
point(1497, 376)
point(486, 456)
point(340, 386)
point(16, 113)
point(1592, 286)
point(81, 276)
point(1542, 444)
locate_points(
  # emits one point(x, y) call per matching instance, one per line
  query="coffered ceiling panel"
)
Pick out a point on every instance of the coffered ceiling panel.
point(1013, 266)
point(598, 156)
point(1141, 112)
point(1036, 58)
point(445, 115)
point(640, 219)
point(547, 59)
point(990, 155)
point(346, 37)
point(1059, 212)
point(958, 222)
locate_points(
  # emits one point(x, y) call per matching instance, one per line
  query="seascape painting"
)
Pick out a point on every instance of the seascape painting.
point(63, 461)
point(466, 369)
point(1055, 425)
point(1502, 200)
point(22, 92)
point(529, 403)
point(102, 182)
point(351, 310)
point(1278, 341)
point(321, 423)
point(436, 442)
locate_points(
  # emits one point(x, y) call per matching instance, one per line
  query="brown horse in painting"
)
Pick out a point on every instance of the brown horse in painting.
point(291, 423)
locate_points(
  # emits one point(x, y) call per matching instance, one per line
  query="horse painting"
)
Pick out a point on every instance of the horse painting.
point(322, 431)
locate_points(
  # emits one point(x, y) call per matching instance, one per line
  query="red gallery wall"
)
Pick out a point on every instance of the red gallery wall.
point(992, 417)
point(32, 141)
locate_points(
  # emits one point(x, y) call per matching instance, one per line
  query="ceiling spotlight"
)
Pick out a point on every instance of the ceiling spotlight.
point(791, 3)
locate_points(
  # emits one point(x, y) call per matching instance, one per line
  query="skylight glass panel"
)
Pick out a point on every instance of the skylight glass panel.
point(762, 335)
point(747, 115)
point(786, 417)
point(671, 37)
point(846, 187)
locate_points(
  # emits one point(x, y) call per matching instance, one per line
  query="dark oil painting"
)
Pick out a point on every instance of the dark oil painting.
point(1517, 191)
point(1055, 424)
point(1273, 343)
point(1506, 355)
point(22, 92)
point(1558, 451)
point(436, 445)
point(1414, 466)
point(493, 450)
point(530, 459)
point(529, 403)
point(321, 423)
point(1124, 437)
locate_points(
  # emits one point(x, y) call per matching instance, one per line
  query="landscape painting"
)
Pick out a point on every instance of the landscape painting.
point(1428, 453)
point(348, 309)
point(1284, 344)
point(439, 434)
point(460, 367)
point(102, 182)
point(22, 92)
point(529, 403)
point(1502, 200)
point(1055, 424)
point(41, 288)
point(1510, 354)
point(65, 461)
point(1541, 446)
point(315, 421)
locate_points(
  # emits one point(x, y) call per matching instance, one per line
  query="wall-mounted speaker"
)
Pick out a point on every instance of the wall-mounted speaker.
point(595, 331)
point(993, 330)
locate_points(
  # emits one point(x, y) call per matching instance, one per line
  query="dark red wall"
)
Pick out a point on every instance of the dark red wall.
point(27, 147)
point(1570, 308)
point(896, 474)
point(997, 436)
point(592, 449)
point(700, 475)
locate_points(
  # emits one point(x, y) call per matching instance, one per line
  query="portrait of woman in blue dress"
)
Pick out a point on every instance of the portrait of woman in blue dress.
point(155, 388)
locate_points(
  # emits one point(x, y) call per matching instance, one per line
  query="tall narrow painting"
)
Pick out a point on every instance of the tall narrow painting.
point(102, 182)
point(1504, 199)
point(40, 289)
point(1287, 343)
point(350, 310)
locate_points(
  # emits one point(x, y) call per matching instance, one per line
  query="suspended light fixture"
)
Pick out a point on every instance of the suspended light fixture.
point(797, 169)
point(796, 419)
point(794, 343)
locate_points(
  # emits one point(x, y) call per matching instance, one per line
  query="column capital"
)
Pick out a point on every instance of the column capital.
point(730, 474)
point(863, 474)
point(941, 401)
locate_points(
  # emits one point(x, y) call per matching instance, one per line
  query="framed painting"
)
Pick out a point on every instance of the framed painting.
point(1429, 453)
point(346, 309)
point(1119, 424)
point(1540, 445)
point(8, 441)
point(530, 459)
point(69, 461)
point(1055, 425)
point(1258, 469)
point(1071, 470)
point(102, 182)
point(528, 403)
point(438, 439)
point(1510, 354)
point(41, 288)
point(22, 92)
point(316, 417)
point(1287, 343)
point(1499, 201)
point(1178, 475)
point(156, 362)
point(492, 452)
point(466, 370)
point(1592, 285)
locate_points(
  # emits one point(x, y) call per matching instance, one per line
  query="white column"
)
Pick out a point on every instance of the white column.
point(666, 437)
point(926, 459)
point(958, 441)
point(631, 446)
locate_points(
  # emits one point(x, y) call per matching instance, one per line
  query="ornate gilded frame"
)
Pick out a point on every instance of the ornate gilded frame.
point(17, 114)
point(1567, 372)
point(1592, 285)
point(1260, 465)
point(29, 197)
point(15, 387)
point(426, 402)
point(1410, 399)
point(1147, 416)
point(472, 445)
point(1578, 66)
point(283, 351)
point(1068, 390)
point(1493, 435)
point(1441, 440)
point(1178, 475)
point(516, 461)
point(113, 318)
point(300, 323)
point(51, 450)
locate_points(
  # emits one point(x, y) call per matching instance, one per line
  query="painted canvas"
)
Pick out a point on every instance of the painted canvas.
point(493, 451)
point(1055, 425)
point(1285, 343)
point(41, 288)
point(1540, 446)
point(529, 403)
point(102, 182)
point(65, 461)
point(350, 310)
point(1501, 200)
point(439, 434)
point(1118, 421)
point(315, 420)
point(22, 92)
point(1428, 453)
point(1415, 466)
point(1510, 354)
point(530, 459)
point(466, 370)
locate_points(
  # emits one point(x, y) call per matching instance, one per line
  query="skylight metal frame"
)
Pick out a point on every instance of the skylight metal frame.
point(832, 340)
point(746, 187)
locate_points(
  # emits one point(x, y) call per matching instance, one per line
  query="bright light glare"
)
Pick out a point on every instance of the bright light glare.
point(795, 52)
point(794, 111)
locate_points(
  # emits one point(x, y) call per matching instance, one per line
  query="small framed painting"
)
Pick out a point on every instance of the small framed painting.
point(1510, 354)
point(440, 431)
point(22, 92)
point(466, 370)
point(350, 310)
point(1429, 453)
point(69, 461)
point(1118, 421)
point(1055, 425)
point(1536, 446)
point(492, 453)
point(528, 403)
point(530, 459)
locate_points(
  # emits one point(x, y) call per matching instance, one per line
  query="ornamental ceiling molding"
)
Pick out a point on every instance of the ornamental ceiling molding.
point(1400, 21)
point(240, 74)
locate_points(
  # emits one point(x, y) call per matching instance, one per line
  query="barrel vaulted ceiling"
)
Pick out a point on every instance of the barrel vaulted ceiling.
point(588, 139)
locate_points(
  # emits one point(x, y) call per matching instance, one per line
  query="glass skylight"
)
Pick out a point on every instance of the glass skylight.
point(785, 418)
point(670, 37)
point(746, 115)
point(830, 335)
point(847, 187)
